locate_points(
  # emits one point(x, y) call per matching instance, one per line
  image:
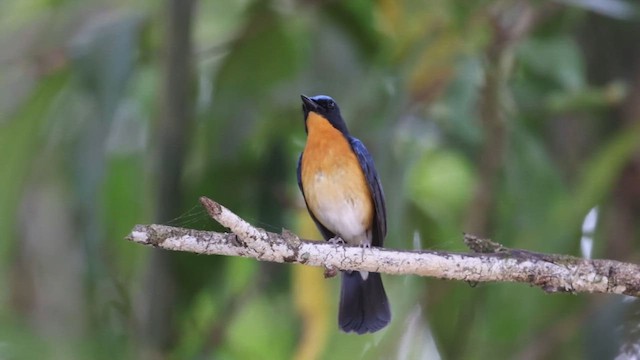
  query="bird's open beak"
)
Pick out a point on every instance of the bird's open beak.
point(308, 104)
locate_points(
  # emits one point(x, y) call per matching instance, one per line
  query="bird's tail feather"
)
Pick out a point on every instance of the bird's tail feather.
point(363, 303)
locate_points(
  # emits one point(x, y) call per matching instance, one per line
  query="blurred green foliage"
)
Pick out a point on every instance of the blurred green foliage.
point(85, 94)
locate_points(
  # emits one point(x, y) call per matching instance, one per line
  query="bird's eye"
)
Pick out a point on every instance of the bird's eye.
point(331, 105)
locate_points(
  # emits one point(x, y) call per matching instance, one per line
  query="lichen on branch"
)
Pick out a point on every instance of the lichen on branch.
point(490, 262)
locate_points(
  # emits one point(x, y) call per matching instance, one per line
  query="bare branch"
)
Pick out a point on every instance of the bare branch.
point(552, 273)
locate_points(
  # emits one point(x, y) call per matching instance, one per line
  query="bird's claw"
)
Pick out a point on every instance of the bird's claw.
point(364, 247)
point(336, 240)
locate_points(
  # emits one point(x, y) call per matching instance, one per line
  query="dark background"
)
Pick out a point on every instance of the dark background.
point(506, 119)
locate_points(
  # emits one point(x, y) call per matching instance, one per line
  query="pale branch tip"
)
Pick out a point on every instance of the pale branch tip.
point(489, 261)
point(212, 207)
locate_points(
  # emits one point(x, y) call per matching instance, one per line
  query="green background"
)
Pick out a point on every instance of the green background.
point(505, 119)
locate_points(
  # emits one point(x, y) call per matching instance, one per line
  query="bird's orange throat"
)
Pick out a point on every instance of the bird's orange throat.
point(319, 125)
point(327, 148)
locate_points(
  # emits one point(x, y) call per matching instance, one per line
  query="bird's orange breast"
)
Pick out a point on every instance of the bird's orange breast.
point(334, 184)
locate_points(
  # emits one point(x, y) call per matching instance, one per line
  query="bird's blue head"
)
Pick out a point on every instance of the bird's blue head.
point(326, 107)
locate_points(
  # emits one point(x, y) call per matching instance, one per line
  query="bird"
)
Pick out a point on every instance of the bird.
point(344, 197)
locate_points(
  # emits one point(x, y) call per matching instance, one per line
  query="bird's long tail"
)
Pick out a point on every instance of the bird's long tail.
point(363, 303)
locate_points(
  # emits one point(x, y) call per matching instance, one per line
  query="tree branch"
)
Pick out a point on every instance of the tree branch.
point(489, 262)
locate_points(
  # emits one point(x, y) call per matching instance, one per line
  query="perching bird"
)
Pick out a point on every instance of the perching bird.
point(344, 197)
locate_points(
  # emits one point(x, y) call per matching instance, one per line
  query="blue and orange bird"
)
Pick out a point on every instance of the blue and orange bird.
point(344, 197)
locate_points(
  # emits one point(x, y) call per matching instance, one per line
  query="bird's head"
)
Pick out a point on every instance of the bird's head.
point(325, 107)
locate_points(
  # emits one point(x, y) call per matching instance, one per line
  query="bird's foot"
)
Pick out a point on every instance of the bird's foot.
point(330, 271)
point(336, 240)
point(364, 247)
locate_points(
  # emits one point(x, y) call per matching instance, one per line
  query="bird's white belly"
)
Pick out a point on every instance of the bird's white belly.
point(343, 218)
point(341, 209)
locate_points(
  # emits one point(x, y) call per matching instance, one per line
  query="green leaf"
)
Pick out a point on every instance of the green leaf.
point(440, 184)
point(557, 59)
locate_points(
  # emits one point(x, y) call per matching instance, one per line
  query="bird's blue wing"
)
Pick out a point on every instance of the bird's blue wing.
point(326, 233)
point(366, 163)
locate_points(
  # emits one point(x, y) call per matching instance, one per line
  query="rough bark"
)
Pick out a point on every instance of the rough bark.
point(490, 262)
